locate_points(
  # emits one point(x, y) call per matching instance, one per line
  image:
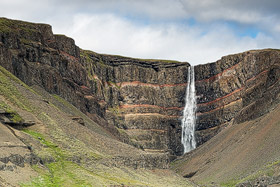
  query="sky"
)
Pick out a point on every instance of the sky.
point(194, 31)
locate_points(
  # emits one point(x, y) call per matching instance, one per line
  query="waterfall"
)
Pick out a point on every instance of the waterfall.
point(188, 121)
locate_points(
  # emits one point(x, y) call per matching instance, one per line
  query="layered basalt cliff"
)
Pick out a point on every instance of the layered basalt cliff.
point(138, 101)
point(141, 101)
point(36, 56)
point(236, 88)
point(143, 98)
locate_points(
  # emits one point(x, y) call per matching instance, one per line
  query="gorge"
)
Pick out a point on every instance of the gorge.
point(65, 109)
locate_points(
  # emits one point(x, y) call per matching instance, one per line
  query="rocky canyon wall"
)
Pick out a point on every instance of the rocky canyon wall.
point(141, 101)
point(143, 98)
point(236, 88)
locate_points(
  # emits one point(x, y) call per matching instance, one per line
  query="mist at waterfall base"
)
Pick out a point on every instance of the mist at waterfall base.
point(189, 117)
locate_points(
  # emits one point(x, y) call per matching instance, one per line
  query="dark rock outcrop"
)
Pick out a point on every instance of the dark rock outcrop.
point(11, 118)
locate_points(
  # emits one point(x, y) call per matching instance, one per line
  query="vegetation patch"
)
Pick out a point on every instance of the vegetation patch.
point(268, 170)
point(26, 42)
point(230, 183)
point(13, 115)
point(86, 55)
point(143, 60)
point(15, 79)
point(9, 91)
point(159, 60)
point(115, 110)
point(61, 172)
point(113, 84)
point(63, 101)
point(73, 146)
point(13, 26)
point(49, 149)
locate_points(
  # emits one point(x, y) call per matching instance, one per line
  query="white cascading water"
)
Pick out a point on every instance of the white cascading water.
point(188, 121)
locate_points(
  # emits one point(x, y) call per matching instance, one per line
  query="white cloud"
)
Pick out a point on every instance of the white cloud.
point(263, 15)
point(156, 28)
point(107, 33)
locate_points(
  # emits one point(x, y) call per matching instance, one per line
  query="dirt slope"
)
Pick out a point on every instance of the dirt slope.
point(240, 153)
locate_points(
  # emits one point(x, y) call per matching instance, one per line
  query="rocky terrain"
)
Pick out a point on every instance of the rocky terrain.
point(46, 141)
point(73, 109)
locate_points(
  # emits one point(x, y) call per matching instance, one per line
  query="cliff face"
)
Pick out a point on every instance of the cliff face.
point(36, 56)
point(236, 88)
point(143, 98)
point(46, 141)
point(138, 101)
point(141, 101)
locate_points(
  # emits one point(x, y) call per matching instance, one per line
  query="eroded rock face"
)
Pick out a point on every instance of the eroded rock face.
point(144, 98)
point(141, 101)
point(238, 87)
point(37, 57)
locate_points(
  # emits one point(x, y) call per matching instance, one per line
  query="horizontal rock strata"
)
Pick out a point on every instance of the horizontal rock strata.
point(238, 87)
point(141, 101)
point(144, 98)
